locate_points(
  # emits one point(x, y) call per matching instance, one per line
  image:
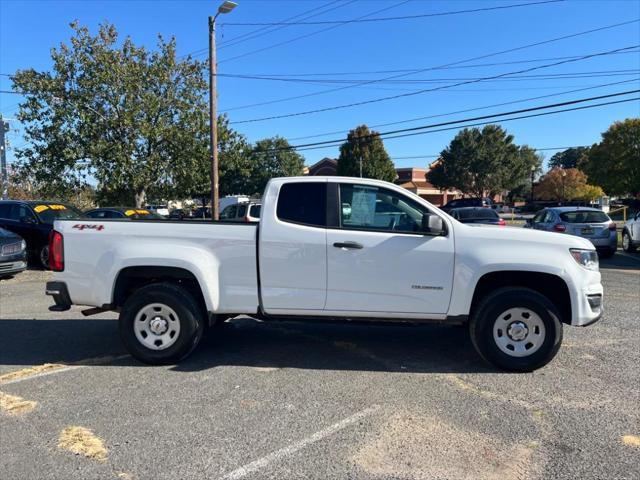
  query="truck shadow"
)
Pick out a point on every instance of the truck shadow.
point(249, 343)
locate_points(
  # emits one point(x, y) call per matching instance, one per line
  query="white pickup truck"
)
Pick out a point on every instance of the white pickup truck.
point(330, 248)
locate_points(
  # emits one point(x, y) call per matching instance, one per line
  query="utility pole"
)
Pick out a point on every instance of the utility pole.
point(4, 128)
point(226, 7)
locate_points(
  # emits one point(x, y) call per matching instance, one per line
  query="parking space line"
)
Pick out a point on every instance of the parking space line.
point(14, 405)
point(51, 369)
point(294, 447)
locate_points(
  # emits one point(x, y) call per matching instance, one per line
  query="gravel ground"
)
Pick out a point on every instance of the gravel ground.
point(306, 400)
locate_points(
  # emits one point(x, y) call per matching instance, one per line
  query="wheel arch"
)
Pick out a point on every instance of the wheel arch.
point(551, 286)
point(130, 279)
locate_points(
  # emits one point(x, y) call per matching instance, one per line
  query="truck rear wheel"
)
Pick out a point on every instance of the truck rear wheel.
point(161, 324)
point(516, 329)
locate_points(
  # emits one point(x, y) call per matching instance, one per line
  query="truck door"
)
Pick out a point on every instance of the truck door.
point(379, 259)
point(292, 252)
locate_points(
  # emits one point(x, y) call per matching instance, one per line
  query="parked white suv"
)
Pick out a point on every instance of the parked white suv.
point(631, 233)
point(330, 248)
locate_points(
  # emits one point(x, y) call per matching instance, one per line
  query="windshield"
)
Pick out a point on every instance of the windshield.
point(584, 216)
point(48, 212)
point(141, 213)
point(477, 213)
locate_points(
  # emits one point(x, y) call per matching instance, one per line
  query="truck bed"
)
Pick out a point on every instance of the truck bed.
point(221, 255)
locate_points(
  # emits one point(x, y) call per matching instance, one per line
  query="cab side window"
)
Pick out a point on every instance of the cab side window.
point(366, 207)
point(304, 203)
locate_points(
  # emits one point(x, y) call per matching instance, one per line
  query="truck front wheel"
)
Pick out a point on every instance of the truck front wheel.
point(516, 329)
point(161, 324)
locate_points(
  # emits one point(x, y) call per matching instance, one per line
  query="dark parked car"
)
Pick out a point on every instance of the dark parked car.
point(13, 253)
point(180, 214)
point(202, 212)
point(33, 220)
point(486, 216)
point(467, 202)
point(122, 212)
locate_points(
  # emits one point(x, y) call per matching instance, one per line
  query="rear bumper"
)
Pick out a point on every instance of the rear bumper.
point(60, 294)
point(605, 242)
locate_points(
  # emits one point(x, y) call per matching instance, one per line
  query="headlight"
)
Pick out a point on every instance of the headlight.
point(587, 258)
point(23, 245)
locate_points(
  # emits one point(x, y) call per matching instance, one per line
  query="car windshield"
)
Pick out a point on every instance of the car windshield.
point(48, 212)
point(141, 213)
point(477, 213)
point(584, 216)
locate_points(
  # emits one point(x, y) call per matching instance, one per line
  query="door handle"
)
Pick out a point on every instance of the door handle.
point(350, 245)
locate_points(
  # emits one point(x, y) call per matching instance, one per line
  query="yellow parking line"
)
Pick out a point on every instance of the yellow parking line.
point(631, 440)
point(29, 372)
point(82, 441)
point(14, 405)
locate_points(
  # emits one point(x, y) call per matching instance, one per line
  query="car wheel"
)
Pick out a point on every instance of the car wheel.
point(161, 324)
point(44, 257)
point(627, 245)
point(516, 329)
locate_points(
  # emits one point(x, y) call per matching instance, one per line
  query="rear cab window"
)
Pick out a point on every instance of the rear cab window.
point(304, 203)
point(49, 212)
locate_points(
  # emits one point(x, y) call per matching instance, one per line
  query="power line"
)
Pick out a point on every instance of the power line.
point(386, 19)
point(483, 117)
point(415, 119)
point(418, 92)
point(300, 37)
point(545, 76)
point(416, 70)
point(411, 157)
point(446, 65)
point(266, 30)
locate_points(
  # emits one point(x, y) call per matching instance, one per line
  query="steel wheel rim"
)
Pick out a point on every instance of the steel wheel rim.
point(519, 332)
point(44, 256)
point(157, 326)
point(625, 241)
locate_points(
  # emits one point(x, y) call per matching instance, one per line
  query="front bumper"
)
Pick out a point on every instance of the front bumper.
point(587, 299)
point(13, 266)
point(60, 294)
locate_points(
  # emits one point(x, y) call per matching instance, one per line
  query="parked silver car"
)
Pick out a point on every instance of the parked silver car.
point(589, 223)
point(631, 233)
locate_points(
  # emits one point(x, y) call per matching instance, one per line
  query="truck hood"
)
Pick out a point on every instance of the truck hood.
point(524, 236)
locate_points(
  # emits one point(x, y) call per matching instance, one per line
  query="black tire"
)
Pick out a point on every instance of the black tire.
point(630, 247)
point(43, 257)
point(190, 316)
point(607, 253)
point(487, 313)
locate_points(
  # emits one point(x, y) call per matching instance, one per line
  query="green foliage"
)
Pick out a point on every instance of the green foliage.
point(272, 157)
point(569, 158)
point(132, 119)
point(614, 163)
point(481, 162)
point(365, 145)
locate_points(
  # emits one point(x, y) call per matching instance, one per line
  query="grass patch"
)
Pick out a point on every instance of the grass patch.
point(82, 441)
point(15, 405)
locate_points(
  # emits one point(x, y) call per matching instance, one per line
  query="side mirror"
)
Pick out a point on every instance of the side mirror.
point(432, 224)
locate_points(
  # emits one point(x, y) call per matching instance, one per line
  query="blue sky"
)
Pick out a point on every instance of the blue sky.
point(28, 29)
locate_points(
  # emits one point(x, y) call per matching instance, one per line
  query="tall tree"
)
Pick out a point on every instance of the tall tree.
point(366, 146)
point(482, 162)
point(272, 157)
point(569, 158)
point(132, 119)
point(566, 185)
point(615, 161)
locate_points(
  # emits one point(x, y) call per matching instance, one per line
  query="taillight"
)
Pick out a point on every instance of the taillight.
point(56, 251)
point(558, 227)
point(502, 223)
point(613, 226)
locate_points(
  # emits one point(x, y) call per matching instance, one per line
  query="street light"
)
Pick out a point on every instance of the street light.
point(226, 7)
point(533, 171)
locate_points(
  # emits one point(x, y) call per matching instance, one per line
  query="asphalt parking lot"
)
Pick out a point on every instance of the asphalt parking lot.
point(309, 400)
